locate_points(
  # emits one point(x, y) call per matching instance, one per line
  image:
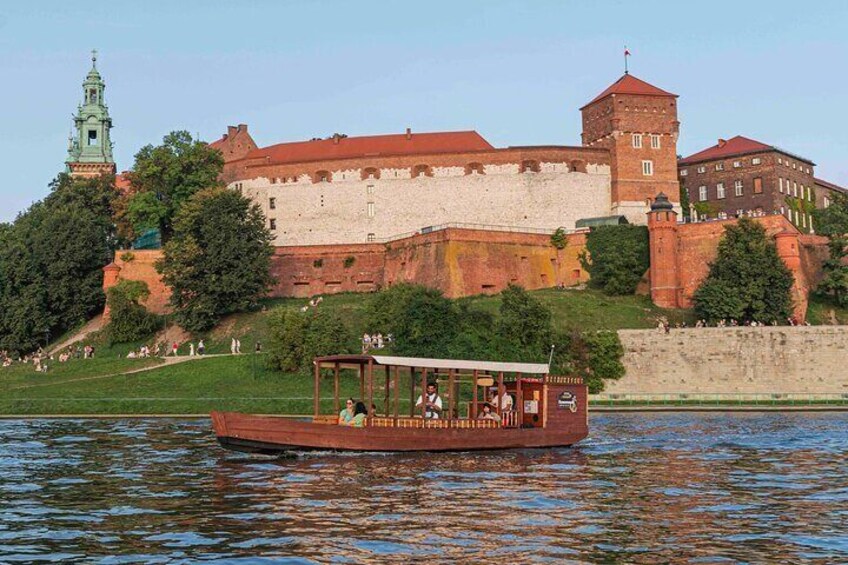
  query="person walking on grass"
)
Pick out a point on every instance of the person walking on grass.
point(201, 349)
point(174, 349)
point(233, 346)
point(191, 349)
point(238, 346)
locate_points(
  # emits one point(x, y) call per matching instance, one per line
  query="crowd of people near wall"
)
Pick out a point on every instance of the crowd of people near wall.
point(355, 412)
point(663, 326)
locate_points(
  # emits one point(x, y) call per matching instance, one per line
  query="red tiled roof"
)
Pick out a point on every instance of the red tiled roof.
point(122, 183)
point(218, 143)
point(725, 148)
point(369, 146)
point(738, 145)
point(628, 84)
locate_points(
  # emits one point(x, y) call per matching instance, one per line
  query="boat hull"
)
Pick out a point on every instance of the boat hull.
point(271, 434)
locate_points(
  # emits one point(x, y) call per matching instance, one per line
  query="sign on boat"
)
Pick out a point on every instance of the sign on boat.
point(545, 410)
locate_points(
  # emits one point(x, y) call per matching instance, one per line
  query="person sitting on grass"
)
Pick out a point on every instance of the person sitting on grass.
point(346, 415)
point(359, 415)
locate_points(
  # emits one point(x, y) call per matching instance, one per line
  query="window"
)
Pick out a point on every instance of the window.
point(793, 165)
point(720, 190)
point(756, 161)
point(529, 167)
point(782, 211)
point(779, 161)
point(272, 203)
point(474, 169)
point(369, 173)
point(780, 185)
point(794, 188)
point(637, 140)
point(702, 193)
point(322, 176)
point(272, 224)
point(758, 185)
point(369, 189)
point(719, 166)
point(92, 137)
point(738, 186)
point(371, 210)
point(737, 164)
point(370, 237)
point(826, 202)
point(647, 168)
point(683, 172)
point(804, 220)
point(655, 142)
point(702, 169)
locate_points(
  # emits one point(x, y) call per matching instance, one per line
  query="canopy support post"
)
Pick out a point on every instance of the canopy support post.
point(317, 390)
point(474, 401)
point(450, 397)
point(336, 406)
point(424, 393)
point(370, 387)
point(499, 400)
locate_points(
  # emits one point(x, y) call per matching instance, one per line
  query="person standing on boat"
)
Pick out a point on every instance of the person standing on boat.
point(434, 403)
point(506, 401)
point(346, 415)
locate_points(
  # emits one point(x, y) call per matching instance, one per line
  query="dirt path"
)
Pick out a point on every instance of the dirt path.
point(167, 362)
point(91, 326)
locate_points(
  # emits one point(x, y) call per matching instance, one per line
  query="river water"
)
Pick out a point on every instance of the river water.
point(644, 488)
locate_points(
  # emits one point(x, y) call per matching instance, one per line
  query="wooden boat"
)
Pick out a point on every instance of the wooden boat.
point(547, 410)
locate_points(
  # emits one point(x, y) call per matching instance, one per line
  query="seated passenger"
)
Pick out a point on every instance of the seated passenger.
point(506, 401)
point(487, 413)
point(434, 403)
point(346, 415)
point(359, 415)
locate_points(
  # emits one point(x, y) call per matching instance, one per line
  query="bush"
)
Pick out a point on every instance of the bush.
point(128, 319)
point(748, 281)
point(524, 326)
point(296, 338)
point(559, 239)
point(616, 258)
point(594, 356)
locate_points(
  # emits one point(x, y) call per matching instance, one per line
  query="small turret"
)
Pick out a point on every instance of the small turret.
point(90, 150)
point(662, 231)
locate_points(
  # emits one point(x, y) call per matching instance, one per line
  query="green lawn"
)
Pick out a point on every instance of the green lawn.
point(823, 311)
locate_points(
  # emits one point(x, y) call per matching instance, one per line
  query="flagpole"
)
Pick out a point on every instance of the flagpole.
point(625, 61)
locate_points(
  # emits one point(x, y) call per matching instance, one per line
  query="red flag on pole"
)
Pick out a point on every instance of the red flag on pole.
point(626, 52)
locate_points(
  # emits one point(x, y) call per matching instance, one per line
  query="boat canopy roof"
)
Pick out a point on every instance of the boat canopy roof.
point(424, 363)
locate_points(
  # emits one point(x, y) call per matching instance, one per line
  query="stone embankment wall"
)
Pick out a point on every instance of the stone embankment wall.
point(755, 361)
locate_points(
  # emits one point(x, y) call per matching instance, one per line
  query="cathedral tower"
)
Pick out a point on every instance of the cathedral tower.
point(638, 123)
point(90, 147)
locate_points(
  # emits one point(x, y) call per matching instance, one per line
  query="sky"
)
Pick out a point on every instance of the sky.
point(517, 72)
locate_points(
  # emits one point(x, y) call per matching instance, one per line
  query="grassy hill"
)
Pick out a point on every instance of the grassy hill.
point(104, 386)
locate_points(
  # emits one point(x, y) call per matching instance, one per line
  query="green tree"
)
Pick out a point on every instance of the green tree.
point(52, 258)
point(833, 223)
point(164, 177)
point(594, 356)
point(218, 260)
point(524, 326)
point(422, 321)
point(685, 202)
point(129, 320)
point(616, 257)
point(747, 281)
point(296, 338)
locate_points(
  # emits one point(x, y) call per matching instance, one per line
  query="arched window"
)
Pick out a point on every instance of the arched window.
point(323, 176)
point(422, 170)
point(578, 166)
point(529, 166)
point(474, 169)
point(370, 173)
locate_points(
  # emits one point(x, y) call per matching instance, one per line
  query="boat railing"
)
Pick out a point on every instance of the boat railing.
point(456, 423)
point(509, 418)
point(564, 380)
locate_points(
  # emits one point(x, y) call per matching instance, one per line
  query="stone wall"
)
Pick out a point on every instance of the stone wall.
point(759, 360)
point(371, 200)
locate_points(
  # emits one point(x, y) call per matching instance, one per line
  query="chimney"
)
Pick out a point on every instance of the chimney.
point(722, 142)
point(336, 138)
point(408, 133)
point(242, 127)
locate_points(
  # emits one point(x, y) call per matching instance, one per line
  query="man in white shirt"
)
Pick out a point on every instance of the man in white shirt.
point(506, 401)
point(434, 403)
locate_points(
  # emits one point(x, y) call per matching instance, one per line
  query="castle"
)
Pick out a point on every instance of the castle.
point(449, 210)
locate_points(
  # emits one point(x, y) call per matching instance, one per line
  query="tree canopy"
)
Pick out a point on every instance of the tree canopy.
point(616, 257)
point(833, 223)
point(218, 259)
point(51, 260)
point(163, 178)
point(748, 281)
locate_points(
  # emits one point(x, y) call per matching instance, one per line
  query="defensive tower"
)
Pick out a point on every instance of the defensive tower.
point(637, 122)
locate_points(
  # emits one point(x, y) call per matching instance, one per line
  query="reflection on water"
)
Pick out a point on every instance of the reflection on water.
point(643, 489)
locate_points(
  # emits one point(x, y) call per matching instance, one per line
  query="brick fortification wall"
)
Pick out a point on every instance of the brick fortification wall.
point(681, 256)
point(459, 262)
point(744, 360)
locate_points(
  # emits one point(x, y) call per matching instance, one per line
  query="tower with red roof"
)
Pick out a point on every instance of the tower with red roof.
point(637, 122)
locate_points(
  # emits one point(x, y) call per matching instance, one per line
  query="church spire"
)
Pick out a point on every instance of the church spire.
point(90, 149)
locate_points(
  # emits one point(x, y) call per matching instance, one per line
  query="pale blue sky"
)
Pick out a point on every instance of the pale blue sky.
point(517, 72)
